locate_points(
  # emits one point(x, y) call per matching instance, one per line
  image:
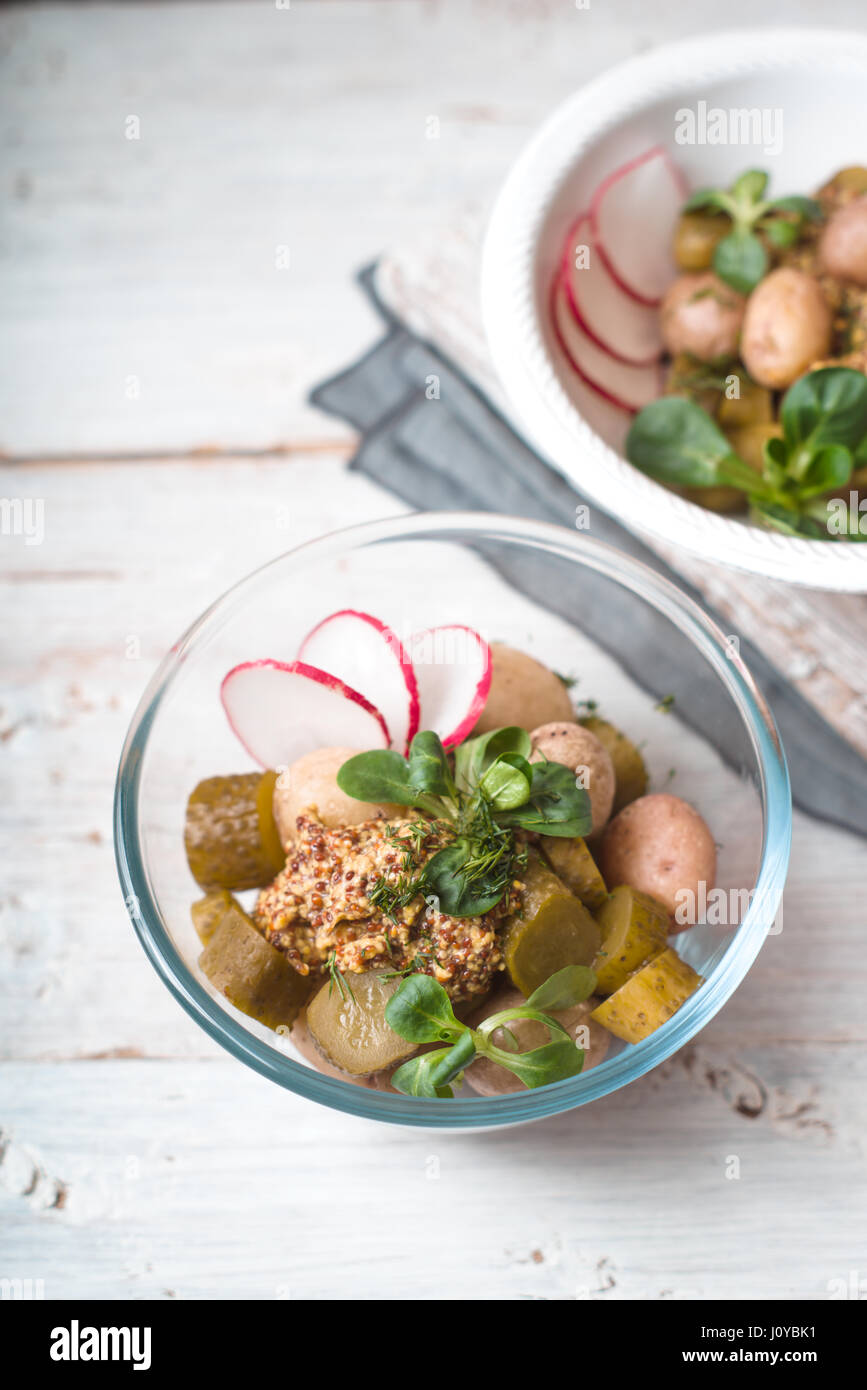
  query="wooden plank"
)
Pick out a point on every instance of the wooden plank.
point(146, 291)
point(131, 1179)
point(136, 1159)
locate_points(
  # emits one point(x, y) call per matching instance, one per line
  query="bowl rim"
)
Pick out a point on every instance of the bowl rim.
point(470, 1112)
point(512, 311)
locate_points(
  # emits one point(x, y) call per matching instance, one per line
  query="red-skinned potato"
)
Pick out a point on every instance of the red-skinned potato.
point(578, 749)
point(523, 692)
point(702, 316)
point(312, 781)
point(661, 846)
point(843, 243)
point(488, 1079)
point(787, 327)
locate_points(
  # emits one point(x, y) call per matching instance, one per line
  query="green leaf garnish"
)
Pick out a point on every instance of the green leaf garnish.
point(563, 990)
point(824, 420)
point(492, 792)
point(420, 1011)
point(740, 259)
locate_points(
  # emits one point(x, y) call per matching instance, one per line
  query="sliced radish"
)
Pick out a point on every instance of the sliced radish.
point(369, 656)
point(617, 323)
point(453, 666)
point(633, 215)
point(623, 385)
point(280, 711)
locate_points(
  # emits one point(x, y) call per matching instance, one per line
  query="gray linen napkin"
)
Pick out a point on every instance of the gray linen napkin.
point(462, 455)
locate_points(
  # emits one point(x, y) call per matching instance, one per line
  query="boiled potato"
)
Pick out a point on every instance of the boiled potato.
point(847, 183)
point(311, 782)
point(350, 1031)
point(572, 862)
point(843, 243)
point(523, 693)
point(649, 997)
point(660, 845)
point(787, 327)
point(551, 930)
point(488, 1079)
point(630, 774)
point(702, 316)
point(577, 748)
point(634, 929)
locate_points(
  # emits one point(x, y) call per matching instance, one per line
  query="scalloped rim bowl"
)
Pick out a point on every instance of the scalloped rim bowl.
point(226, 1026)
point(622, 111)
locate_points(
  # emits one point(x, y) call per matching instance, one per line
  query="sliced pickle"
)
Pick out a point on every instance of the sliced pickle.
point(649, 997)
point(230, 835)
point(753, 406)
point(748, 441)
point(634, 929)
point(552, 930)
point(572, 861)
point(348, 1026)
point(253, 974)
point(209, 911)
point(696, 237)
point(629, 770)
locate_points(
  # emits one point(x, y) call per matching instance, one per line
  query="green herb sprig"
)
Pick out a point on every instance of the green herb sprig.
point(421, 1011)
point(491, 792)
point(824, 420)
point(740, 258)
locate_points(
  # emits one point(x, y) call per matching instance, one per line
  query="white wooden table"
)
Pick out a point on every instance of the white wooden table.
point(157, 350)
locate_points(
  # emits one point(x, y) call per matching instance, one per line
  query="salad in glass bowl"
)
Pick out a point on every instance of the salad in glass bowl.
point(444, 872)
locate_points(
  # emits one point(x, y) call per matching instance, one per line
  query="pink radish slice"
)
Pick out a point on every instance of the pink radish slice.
point(622, 384)
point(617, 323)
point(453, 667)
point(369, 656)
point(633, 215)
point(280, 711)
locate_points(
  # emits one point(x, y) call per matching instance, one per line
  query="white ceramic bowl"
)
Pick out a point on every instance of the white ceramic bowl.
point(817, 79)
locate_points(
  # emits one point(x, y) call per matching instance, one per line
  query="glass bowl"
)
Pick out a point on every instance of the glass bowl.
point(537, 587)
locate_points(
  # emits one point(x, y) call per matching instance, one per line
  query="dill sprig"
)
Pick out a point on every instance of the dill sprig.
point(336, 977)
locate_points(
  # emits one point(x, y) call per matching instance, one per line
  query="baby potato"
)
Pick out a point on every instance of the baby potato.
point(659, 845)
point(311, 781)
point(787, 327)
point(843, 243)
point(523, 693)
point(488, 1079)
point(581, 751)
point(701, 315)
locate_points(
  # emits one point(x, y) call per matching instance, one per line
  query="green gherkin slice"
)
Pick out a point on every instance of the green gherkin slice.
point(552, 930)
point(230, 834)
point(209, 911)
point(630, 774)
point(349, 1027)
point(253, 974)
point(572, 861)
